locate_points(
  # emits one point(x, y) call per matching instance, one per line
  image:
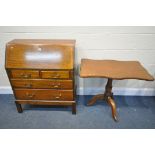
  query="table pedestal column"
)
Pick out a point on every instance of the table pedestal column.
point(108, 97)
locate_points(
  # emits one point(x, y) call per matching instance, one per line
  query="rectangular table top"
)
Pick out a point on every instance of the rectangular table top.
point(114, 69)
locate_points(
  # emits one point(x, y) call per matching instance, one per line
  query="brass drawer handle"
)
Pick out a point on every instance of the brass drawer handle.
point(25, 75)
point(56, 85)
point(28, 85)
point(30, 95)
point(55, 76)
point(58, 97)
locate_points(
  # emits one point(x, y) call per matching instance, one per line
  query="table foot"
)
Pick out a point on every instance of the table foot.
point(95, 98)
point(111, 102)
point(115, 119)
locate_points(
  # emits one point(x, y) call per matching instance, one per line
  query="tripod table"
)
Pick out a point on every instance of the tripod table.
point(112, 70)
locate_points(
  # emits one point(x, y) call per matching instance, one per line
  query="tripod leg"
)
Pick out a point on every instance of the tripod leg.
point(95, 98)
point(111, 102)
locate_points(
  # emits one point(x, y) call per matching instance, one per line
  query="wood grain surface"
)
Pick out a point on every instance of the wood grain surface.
point(113, 69)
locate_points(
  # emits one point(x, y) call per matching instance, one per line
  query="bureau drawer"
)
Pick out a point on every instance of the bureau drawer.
point(43, 94)
point(55, 74)
point(42, 83)
point(26, 74)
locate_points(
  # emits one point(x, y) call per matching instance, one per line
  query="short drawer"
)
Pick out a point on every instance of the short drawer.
point(26, 74)
point(55, 74)
point(42, 83)
point(43, 94)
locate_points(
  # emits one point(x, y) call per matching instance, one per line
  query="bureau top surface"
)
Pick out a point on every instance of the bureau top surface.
point(40, 54)
point(42, 42)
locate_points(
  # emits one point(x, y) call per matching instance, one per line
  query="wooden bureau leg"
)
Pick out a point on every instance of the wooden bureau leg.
point(73, 108)
point(19, 107)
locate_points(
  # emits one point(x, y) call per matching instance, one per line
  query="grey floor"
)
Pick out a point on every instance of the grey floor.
point(134, 112)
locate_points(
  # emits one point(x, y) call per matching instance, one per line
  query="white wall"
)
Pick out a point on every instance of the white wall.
point(120, 43)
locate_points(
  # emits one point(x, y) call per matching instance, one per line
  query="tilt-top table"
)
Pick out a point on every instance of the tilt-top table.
point(112, 70)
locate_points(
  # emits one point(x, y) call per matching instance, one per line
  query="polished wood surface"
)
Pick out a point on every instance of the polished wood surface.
point(42, 83)
point(37, 54)
point(113, 69)
point(108, 97)
point(43, 94)
point(43, 42)
point(55, 74)
point(41, 72)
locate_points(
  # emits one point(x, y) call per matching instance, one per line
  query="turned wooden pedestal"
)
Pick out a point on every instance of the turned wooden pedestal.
point(108, 97)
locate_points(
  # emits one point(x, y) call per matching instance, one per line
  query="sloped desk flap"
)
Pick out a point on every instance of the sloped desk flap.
point(35, 54)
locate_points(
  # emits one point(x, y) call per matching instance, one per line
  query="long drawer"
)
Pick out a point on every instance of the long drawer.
point(42, 83)
point(43, 94)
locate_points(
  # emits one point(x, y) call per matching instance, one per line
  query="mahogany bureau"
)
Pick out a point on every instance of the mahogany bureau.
point(41, 72)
